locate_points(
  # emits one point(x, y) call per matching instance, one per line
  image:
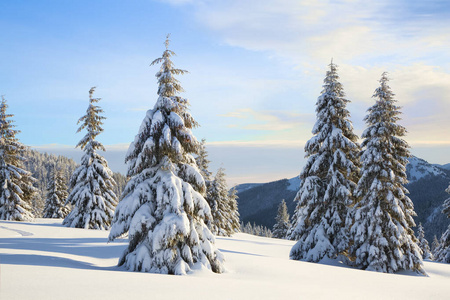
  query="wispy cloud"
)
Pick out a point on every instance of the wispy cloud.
point(268, 120)
point(348, 30)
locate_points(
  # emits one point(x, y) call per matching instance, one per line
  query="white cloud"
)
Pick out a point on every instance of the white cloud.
point(346, 30)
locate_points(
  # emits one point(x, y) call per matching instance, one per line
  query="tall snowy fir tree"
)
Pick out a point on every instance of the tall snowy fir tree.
point(328, 178)
point(16, 184)
point(434, 245)
point(162, 207)
point(92, 184)
point(383, 239)
point(57, 194)
point(233, 204)
point(282, 224)
point(225, 217)
point(203, 163)
point(423, 243)
point(442, 252)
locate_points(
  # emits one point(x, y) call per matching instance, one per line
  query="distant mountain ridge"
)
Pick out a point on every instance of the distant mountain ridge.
point(258, 202)
point(419, 168)
point(446, 166)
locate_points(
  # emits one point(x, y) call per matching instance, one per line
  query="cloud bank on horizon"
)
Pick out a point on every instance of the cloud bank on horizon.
point(256, 70)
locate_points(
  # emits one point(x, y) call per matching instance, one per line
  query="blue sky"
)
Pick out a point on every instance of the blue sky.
point(256, 70)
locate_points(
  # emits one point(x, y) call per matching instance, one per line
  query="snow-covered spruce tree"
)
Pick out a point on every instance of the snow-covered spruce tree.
point(423, 243)
point(234, 216)
point(162, 206)
point(92, 197)
point(382, 237)
point(442, 253)
point(282, 224)
point(55, 206)
point(16, 184)
point(225, 218)
point(328, 178)
point(203, 163)
point(434, 245)
point(223, 204)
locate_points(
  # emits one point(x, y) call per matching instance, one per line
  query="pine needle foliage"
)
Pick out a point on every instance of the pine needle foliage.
point(163, 208)
point(92, 197)
point(16, 184)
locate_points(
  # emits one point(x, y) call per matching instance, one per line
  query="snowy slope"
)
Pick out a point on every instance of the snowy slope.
point(419, 168)
point(43, 260)
point(246, 186)
point(294, 184)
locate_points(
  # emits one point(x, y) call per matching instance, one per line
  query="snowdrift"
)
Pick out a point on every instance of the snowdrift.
point(43, 260)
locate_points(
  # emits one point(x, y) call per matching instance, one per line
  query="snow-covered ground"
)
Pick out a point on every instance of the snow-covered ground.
point(42, 260)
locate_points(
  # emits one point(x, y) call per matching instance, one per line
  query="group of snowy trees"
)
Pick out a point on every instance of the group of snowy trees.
point(352, 200)
point(55, 206)
point(171, 205)
point(42, 167)
point(91, 196)
point(223, 204)
point(254, 229)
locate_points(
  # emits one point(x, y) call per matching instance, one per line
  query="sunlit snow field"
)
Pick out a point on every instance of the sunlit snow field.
point(43, 260)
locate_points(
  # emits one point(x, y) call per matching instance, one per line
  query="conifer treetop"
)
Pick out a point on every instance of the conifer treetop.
point(92, 121)
point(165, 137)
point(168, 85)
point(8, 134)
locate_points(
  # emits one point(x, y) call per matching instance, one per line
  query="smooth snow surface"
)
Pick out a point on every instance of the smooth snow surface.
point(43, 260)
